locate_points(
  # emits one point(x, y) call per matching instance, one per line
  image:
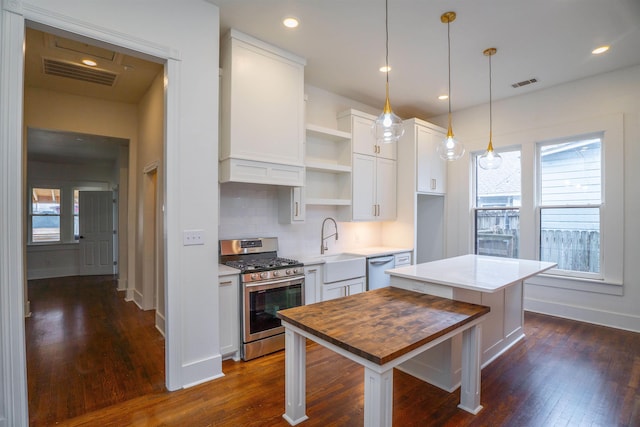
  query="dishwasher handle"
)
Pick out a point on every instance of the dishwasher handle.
point(381, 260)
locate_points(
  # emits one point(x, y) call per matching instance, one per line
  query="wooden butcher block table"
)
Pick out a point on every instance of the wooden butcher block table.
point(380, 329)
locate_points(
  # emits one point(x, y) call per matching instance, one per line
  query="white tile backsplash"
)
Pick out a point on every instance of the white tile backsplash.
point(251, 210)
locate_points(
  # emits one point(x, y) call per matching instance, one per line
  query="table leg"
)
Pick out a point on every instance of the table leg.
point(470, 388)
point(378, 398)
point(295, 377)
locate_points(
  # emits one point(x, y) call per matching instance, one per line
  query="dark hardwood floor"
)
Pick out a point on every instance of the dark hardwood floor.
point(564, 373)
point(87, 348)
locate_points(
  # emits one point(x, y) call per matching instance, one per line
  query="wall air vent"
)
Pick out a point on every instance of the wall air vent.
point(524, 83)
point(77, 72)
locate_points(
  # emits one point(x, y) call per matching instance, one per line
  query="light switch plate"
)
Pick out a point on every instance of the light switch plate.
point(193, 237)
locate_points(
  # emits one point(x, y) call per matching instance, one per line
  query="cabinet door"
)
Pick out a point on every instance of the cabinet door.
point(362, 136)
point(291, 205)
point(364, 187)
point(333, 291)
point(386, 189)
point(431, 169)
point(356, 286)
point(266, 120)
point(311, 284)
point(229, 315)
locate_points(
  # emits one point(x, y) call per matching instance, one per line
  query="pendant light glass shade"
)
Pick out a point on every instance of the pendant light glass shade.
point(449, 148)
point(388, 127)
point(490, 159)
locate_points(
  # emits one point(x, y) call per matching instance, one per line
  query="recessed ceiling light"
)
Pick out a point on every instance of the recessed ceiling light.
point(385, 69)
point(290, 22)
point(89, 62)
point(443, 97)
point(599, 50)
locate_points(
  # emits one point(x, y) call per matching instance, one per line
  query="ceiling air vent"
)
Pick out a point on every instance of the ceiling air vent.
point(77, 72)
point(524, 83)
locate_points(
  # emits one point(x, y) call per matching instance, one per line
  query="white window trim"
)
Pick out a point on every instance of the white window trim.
point(612, 229)
point(66, 207)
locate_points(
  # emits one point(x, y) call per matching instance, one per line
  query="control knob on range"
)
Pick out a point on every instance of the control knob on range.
point(276, 273)
point(288, 271)
point(264, 275)
point(254, 276)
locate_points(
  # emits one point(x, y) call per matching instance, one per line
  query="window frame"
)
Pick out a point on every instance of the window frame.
point(612, 214)
point(539, 206)
point(32, 215)
point(474, 182)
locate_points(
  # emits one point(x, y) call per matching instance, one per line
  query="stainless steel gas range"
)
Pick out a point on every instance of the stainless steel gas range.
point(268, 283)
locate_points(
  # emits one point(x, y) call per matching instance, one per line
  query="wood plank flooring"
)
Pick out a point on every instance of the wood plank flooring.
point(564, 373)
point(87, 348)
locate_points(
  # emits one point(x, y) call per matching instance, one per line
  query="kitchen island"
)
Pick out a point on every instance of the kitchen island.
point(491, 281)
point(380, 329)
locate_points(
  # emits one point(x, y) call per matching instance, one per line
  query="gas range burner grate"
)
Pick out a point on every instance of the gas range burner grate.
point(256, 265)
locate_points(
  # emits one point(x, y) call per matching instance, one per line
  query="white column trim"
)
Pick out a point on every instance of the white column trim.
point(13, 373)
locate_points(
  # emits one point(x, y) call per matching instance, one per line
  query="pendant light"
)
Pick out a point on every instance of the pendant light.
point(490, 159)
point(449, 148)
point(388, 127)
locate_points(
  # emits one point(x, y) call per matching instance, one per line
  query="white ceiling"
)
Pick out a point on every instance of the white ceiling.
point(134, 76)
point(344, 44)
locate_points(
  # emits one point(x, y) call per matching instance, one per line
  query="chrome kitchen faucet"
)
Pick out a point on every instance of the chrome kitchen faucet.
point(323, 245)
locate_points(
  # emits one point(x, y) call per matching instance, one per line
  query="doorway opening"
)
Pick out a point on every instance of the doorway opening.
point(87, 325)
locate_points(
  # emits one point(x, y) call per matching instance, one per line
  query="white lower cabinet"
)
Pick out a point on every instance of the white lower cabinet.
point(402, 259)
point(312, 283)
point(343, 288)
point(229, 316)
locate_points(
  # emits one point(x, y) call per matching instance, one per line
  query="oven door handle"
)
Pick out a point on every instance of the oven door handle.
point(290, 280)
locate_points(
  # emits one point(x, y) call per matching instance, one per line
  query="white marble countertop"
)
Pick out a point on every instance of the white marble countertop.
point(473, 272)
point(367, 252)
point(374, 251)
point(224, 270)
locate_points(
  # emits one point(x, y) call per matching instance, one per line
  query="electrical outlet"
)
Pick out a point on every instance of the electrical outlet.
point(193, 237)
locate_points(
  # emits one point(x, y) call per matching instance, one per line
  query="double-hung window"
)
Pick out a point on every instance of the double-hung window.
point(497, 207)
point(45, 215)
point(570, 204)
point(558, 196)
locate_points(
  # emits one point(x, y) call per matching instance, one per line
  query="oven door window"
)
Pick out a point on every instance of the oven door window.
point(264, 305)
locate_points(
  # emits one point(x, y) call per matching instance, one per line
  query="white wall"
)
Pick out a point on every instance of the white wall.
point(583, 100)
point(149, 225)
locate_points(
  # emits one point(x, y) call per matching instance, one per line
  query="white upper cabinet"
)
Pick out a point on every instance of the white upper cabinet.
point(262, 113)
point(364, 139)
point(373, 176)
point(421, 140)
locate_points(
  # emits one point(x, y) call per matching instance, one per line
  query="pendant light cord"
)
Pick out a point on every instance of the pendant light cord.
point(449, 53)
point(386, 24)
point(490, 104)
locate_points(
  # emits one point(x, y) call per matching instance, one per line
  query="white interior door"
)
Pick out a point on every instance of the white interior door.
point(96, 232)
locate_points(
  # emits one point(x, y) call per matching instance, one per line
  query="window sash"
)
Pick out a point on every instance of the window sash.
point(566, 254)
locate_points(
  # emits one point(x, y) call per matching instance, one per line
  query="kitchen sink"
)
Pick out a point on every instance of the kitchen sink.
point(343, 267)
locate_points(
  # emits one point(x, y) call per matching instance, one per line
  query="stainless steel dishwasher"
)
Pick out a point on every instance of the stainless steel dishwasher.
point(376, 276)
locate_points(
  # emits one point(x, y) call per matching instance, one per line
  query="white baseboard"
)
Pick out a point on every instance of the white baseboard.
point(202, 371)
point(48, 273)
point(160, 323)
point(128, 295)
point(122, 284)
point(584, 314)
point(137, 298)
